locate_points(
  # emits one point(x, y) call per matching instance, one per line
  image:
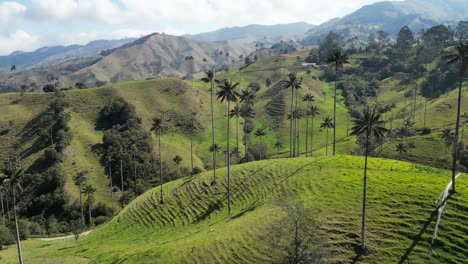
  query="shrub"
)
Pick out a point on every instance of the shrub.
point(6, 237)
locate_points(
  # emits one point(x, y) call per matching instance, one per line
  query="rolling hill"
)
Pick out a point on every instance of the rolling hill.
point(192, 225)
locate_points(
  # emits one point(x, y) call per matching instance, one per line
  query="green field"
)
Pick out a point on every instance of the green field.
point(192, 225)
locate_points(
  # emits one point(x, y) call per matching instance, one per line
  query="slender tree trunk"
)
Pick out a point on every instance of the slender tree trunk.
point(228, 162)
point(312, 138)
point(425, 112)
point(298, 137)
point(111, 191)
point(334, 111)
point(237, 139)
point(81, 203)
point(455, 138)
point(3, 209)
point(8, 209)
point(18, 240)
point(326, 144)
point(135, 173)
point(212, 133)
point(307, 136)
point(291, 135)
point(364, 194)
point(89, 211)
point(414, 106)
point(160, 168)
point(191, 150)
point(121, 176)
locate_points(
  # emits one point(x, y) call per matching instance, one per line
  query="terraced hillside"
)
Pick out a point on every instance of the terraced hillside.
point(192, 225)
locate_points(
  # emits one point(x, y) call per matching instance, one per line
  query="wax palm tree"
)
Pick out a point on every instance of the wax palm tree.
point(447, 135)
point(236, 113)
point(337, 58)
point(410, 146)
point(459, 58)
point(247, 96)
point(313, 112)
point(80, 179)
point(260, 132)
point(88, 190)
point(278, 146)
point(192, 131)
point(227, 92)
point(309, 99)
point(158, 127)
point(369, 125)
point(400, 148)
point(210, 79)
point(294, 83)
point(11, 178)
point(177, 160)
point(13, 70)
point(327, 124)
point(215, 148)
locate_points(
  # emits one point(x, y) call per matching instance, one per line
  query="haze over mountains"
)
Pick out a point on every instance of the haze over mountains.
point(164, 56)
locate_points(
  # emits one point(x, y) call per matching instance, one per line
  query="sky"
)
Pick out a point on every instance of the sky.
point(30, 24)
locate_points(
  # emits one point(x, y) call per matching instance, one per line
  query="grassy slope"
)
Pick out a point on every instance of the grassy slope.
point(192, 226)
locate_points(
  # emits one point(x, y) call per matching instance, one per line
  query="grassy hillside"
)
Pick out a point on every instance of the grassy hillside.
point(193, 227)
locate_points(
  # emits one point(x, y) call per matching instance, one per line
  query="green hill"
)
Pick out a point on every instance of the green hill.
point(192, 225)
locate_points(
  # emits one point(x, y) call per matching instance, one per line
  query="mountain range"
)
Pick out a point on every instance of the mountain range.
point(161, 55)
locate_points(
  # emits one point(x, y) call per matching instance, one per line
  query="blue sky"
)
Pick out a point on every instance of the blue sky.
point(30, 24)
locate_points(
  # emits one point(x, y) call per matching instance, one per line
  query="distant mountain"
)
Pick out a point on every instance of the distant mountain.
point(254, 32)
point(155, 55)
point(391, 16)
point(47, 56)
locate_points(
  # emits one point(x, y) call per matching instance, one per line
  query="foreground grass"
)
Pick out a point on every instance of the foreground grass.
point(192, 225)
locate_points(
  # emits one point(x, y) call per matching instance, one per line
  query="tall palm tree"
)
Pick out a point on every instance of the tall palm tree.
point(177, 160)
point(369, 125)
point(309, 99)
point(327, 124)
point(459, 58)
point(447, 135)
point(158, 127)
point(88, 190)
point(294, 83)
point(400, 148)
point(278, 146)
point(236, 113)
point(80, 179)
point(247, 96)
point(227, 92)
point(260, 132)
point(11, 177)
point(109, 163)
point(337, 58)
point(13, 70)
point(210, 79)
point(313, 112)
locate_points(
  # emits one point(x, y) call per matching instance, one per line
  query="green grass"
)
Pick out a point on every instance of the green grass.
point(192, 225)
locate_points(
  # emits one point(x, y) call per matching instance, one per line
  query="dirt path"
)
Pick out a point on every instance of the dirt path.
point(64, 237)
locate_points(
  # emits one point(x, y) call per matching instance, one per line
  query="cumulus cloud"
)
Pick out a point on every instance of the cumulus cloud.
point(11, 12)
point(18, 40)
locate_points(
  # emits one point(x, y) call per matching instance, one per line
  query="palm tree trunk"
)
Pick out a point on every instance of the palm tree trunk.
point(334, 110)
point(312, 138)
point(228, 162)
point(160, 168)
point(326, 144)
point(111, 192)
point(81, 203)
point(425, 112)
point(3, 209)
point(414, 102)
point(237, 140)
point(8, 209)
point(307, 136)
point(121, 176)
point(291, 135)
point(364, 196)
point(191, 151)
point(212, 133)
point(455, 138)
point(18, 240)
point(135, 173)
point(89, 212)
point(298, 137)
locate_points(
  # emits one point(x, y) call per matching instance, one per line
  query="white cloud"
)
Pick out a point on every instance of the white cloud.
point(18, 40)
point(11, 12)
